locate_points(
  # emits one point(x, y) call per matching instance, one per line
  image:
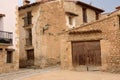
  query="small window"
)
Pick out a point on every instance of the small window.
point(97, 15)
point(29, 37)
point(9, 56)
point(29, 16)
point(84, 14)
point(70, 20)
point(28, 19)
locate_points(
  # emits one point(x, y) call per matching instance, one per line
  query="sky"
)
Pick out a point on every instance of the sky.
point(107, 5)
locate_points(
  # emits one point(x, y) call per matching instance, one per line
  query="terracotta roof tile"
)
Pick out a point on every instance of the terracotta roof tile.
point(86, 32)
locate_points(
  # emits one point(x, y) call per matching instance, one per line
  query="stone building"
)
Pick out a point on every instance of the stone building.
point(79, 13)
point(41, 24)
point(93, 46)
point(9, 43)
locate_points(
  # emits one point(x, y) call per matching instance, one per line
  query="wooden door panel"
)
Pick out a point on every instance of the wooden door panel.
point(86, 53)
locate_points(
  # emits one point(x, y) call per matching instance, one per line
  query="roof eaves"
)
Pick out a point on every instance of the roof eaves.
point(33, 4)
point(90, 6)
point(29, 5)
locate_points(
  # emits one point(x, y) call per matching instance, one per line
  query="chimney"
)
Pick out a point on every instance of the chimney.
point(26, 2)
point(118, 8)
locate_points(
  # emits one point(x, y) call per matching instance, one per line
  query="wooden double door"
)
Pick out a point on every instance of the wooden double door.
point(86, 53)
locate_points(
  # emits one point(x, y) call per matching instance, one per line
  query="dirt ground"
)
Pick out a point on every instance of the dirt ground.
point(74, 75)
point(55, 73)
point(25, 73)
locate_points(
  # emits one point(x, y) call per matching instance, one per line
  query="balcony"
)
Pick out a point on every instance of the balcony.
point(6, 38)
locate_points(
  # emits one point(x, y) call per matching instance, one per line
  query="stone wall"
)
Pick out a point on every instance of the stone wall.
point(109, 39)
point(104, 15)
point(7, 67)
point(77, 9)
point(22, 32)
point(117, 11)
point(48, 42)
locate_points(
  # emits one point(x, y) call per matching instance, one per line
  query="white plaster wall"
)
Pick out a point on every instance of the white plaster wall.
point(9, 8)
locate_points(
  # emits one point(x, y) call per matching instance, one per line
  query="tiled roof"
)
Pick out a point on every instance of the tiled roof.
point(86, 5)
point(29, 5)
point(77, 2)
point(33, 4)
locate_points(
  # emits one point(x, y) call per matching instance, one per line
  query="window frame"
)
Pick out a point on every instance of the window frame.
point(96, 15)
point(84, 11)
point(28, 18)
point(9, 57)
point(29, 37)
point(70, 19)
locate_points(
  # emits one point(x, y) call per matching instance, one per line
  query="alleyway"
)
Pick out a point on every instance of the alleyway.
point(55, 73)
